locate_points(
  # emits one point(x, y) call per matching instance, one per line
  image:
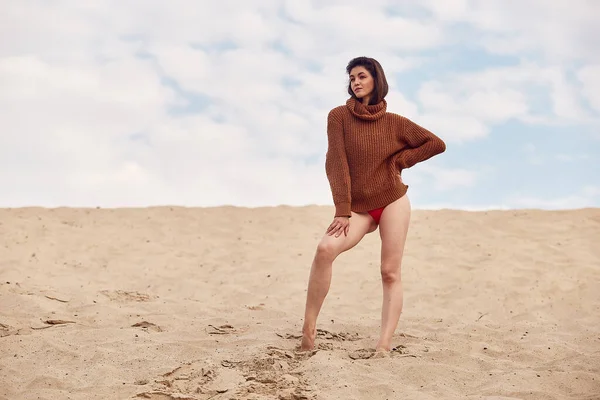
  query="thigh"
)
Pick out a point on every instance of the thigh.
point(360, 225)
point(393, 229)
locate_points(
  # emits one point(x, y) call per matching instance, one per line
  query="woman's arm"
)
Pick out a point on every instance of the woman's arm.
point(336, 166)
point(422, 144)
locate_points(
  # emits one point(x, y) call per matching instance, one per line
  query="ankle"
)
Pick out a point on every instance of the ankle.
point(381, 346)
point(309, 330)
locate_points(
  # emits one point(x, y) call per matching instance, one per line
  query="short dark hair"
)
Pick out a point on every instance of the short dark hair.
point(380, 89)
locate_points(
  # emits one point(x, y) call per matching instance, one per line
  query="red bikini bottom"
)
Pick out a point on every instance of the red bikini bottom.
point(376, 214)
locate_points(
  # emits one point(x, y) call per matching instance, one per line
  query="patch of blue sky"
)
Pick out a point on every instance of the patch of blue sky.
point(539, 101)
point(141, 138)
point(144, 55)
point(192, 102)
point(542, 162)
point(216, 47)
point(528, 159)
point(423, 194)
point(314, 159)
point(289, 82)
point(279, 47)
point(189, 102)
point(444, 63)
point(133, 37)
point(572, 79)
point(286, 17)
point(464, 59)
point(407, 10)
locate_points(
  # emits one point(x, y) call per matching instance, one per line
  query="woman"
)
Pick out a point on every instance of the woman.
point(368, 148)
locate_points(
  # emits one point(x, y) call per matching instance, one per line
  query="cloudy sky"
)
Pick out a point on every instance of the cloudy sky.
point(204, 103)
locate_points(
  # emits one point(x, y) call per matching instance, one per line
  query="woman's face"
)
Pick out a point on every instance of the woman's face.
point(361, 82)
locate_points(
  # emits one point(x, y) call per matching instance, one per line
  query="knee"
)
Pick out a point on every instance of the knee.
point(326, 251)
point(390, 273)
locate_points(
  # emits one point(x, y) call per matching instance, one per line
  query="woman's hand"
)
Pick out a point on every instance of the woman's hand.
point(338, 226)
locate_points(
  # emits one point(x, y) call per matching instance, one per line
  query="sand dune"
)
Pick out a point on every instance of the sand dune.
point(176, 303)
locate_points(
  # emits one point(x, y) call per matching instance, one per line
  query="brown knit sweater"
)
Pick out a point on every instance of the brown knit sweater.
point(367, 150)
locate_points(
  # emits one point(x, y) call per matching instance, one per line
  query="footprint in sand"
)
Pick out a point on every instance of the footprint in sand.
point(122, 295)
point(325, 346)
point(323, 334)
point(158, 395)
point(195, 380)
point(289, 335)
point(275, 372)
point(261, 306)
point(342, 336)
point(221, 330)
point(7, 330)
point(147, 326)
point(365, 354)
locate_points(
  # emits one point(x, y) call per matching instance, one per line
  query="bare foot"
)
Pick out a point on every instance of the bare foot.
point(383, 348)
point(308, 339)
point(381, 354)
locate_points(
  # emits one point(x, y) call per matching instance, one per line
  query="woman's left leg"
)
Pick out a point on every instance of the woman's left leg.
point(393, 229)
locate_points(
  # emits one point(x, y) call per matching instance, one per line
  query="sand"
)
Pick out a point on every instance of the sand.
point(189, 303)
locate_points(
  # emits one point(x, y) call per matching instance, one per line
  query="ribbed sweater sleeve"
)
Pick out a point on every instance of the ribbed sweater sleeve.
point(336, 166)
point(422, 144)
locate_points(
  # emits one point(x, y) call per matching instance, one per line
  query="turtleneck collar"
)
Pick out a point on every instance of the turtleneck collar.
point(367, 113)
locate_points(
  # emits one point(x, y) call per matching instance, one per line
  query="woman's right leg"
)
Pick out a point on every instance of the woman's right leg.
point(320, 273)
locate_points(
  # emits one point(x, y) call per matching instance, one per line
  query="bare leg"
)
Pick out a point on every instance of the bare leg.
point(393, 229)
point(320, 273)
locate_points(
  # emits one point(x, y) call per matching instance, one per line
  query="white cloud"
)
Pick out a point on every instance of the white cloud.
point(60, 116)
point(560, 32)
point(440, 178)
point(589, 76)
point(548, 46)
point(86, 109)
point(474, 102)
point(565, 97)
point(454, 127)
point(334, 25)
point(463, 207)
point(587, 197)
point(459, 109)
